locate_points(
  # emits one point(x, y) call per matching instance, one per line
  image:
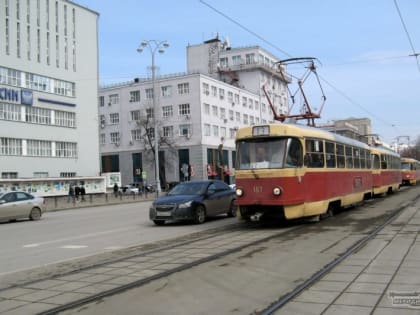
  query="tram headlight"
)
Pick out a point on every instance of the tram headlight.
point(277, 191)
point(239, 192)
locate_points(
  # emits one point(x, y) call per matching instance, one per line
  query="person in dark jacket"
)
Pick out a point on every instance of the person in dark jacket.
point(116, 190)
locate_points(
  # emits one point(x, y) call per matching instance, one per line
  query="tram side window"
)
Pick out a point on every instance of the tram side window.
point(294, 153)
point(341, 160)
point(375, 162)
point(349, 157)
point(362, 158)
point(384, 161)
point(330, 154)
point(356, 157)
point(314, 153)
point(368, 160)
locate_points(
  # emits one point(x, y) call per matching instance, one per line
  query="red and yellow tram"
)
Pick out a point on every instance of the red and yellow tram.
point(386, 170)
point(294, 171)
point(410, 171)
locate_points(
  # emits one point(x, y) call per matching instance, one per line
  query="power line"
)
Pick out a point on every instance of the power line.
point(245, 28)
point(408, 35)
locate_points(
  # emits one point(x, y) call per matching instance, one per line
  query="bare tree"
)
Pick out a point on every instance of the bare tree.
point(412, 151)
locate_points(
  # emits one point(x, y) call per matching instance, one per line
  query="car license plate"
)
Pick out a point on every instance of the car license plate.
point(163, 213)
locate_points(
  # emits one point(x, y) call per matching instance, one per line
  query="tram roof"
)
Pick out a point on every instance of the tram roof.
point(299, 131)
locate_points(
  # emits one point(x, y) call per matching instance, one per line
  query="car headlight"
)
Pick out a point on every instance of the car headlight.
point(185, 204)
point(239, 192)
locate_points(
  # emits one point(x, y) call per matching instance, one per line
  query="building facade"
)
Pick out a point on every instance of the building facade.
point(48, 89)
point(197, 114)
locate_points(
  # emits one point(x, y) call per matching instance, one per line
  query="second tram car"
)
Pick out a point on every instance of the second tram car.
point(410, 171)
point(386, 170)
point(294, 171)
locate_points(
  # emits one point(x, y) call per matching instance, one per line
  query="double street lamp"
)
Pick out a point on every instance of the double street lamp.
point(155, 46)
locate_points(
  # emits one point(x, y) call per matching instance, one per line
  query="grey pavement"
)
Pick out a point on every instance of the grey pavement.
point(381, 278)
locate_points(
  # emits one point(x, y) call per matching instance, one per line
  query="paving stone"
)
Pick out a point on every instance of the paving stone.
point(339, 276)
point(37, 296)
point(347, 310)
point(44, 284)
point(312, 296)
point(6, 305)
point(373, 278)
point(70, 286)
point(323, 285)
point(31, 308)
point(394, 311)
point(65, 298)
point(348, 269)
point(122, 280)
point(357, 299)
point(301, 308)
point(96, 278)
point(73, 277)
point(97, 288)
point(366, 287)
point(14, 292)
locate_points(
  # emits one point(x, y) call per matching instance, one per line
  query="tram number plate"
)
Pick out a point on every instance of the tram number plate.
point(163, 213)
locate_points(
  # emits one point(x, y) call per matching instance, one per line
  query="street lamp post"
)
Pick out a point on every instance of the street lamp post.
point(159, 46)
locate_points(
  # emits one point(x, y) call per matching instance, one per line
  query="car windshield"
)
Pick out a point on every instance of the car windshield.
point(1, 195)
point(188, 189)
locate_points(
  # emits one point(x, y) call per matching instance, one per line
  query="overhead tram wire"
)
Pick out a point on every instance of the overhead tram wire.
point(287, 54)
point(245, 28)
point(415, 54)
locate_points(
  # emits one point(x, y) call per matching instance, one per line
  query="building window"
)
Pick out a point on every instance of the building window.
point(102, 138)
point(115, 137)
point(28, 42)
point(7, 37)
point(207, 130)
point(66, 119)
point(150, 113)
point(183, 88)
point(250, 103)
point(38, 45)
point(40, 174)
point(251, 120)
point(9, 175)
point(47, 22)
point(230, 97)
point(56, 16)
point(67, 174)
point(18, 39)
point(206, 88)
point(114, 118)
point(223, 132)
point(207, 109)
point(221, 94)
point(232, 133)
point(38, 115)
point(236, 60)
point(136, 134)
point(10, 146)
point(134, 96)
point(101, 101)
point(215, 111)
point(238, 116)
point(167, 91)
point(48, 48)
point(38, 148)
point(250, 59)
point(135, 115)
point(57, 51)
point(224, 62)
point(114, 99)
point(214, 91)
point(66, 53)
point(236, 98)
point(185, 130)
point(38, 13)
point(167, 111)
point(149, 94)
point(183, 109)
point(245, 119)
point(244, 101)
point(222, 113)
point(150, 133)
point(231, 115)
point(10, 112)
point(215, 130)
point(168, 131)
point(65, 20)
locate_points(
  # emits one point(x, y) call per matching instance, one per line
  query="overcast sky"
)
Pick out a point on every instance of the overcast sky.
point(362, 47)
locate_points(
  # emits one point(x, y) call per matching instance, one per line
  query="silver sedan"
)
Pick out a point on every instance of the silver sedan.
point(19, 204)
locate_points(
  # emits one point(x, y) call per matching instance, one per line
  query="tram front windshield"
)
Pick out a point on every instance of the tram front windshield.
point(406, 166)
point(268, 153)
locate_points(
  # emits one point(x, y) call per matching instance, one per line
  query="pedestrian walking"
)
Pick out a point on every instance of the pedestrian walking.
point(116, 190)
point(77, 192)
point(83, 192)
point(71, 194)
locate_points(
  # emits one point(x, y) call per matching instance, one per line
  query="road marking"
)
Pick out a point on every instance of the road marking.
point(73, 246)
point(31, 245)
point(80, 237)
point(113, 247)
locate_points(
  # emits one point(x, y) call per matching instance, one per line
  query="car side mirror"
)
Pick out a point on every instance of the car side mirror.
point(2, 201)
point(210, 192)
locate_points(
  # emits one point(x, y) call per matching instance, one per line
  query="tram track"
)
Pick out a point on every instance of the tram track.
point(138, 269)
point(286, 298)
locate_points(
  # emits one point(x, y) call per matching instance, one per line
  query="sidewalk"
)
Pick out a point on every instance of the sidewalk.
point(381, 278)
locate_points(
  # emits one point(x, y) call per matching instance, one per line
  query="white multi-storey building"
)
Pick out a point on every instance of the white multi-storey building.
point(197, 114)
point(48, 89)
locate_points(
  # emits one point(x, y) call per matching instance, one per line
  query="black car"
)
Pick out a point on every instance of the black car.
point(194, 200)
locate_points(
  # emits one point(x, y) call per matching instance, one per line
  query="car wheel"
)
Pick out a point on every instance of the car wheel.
point(159, 222)
point(232, 209)
point(199, 214)
point(35, 214)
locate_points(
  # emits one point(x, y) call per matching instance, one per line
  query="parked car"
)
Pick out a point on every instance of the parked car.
point(194, 200)
point(129, 189)
point(19, 204)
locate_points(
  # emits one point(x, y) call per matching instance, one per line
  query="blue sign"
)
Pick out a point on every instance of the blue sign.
point(26, 97)
point(11, 95)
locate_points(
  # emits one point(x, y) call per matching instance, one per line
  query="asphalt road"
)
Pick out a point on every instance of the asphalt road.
point(69, 234)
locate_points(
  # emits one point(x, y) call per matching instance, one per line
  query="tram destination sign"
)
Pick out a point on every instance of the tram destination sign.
point(24, 97)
